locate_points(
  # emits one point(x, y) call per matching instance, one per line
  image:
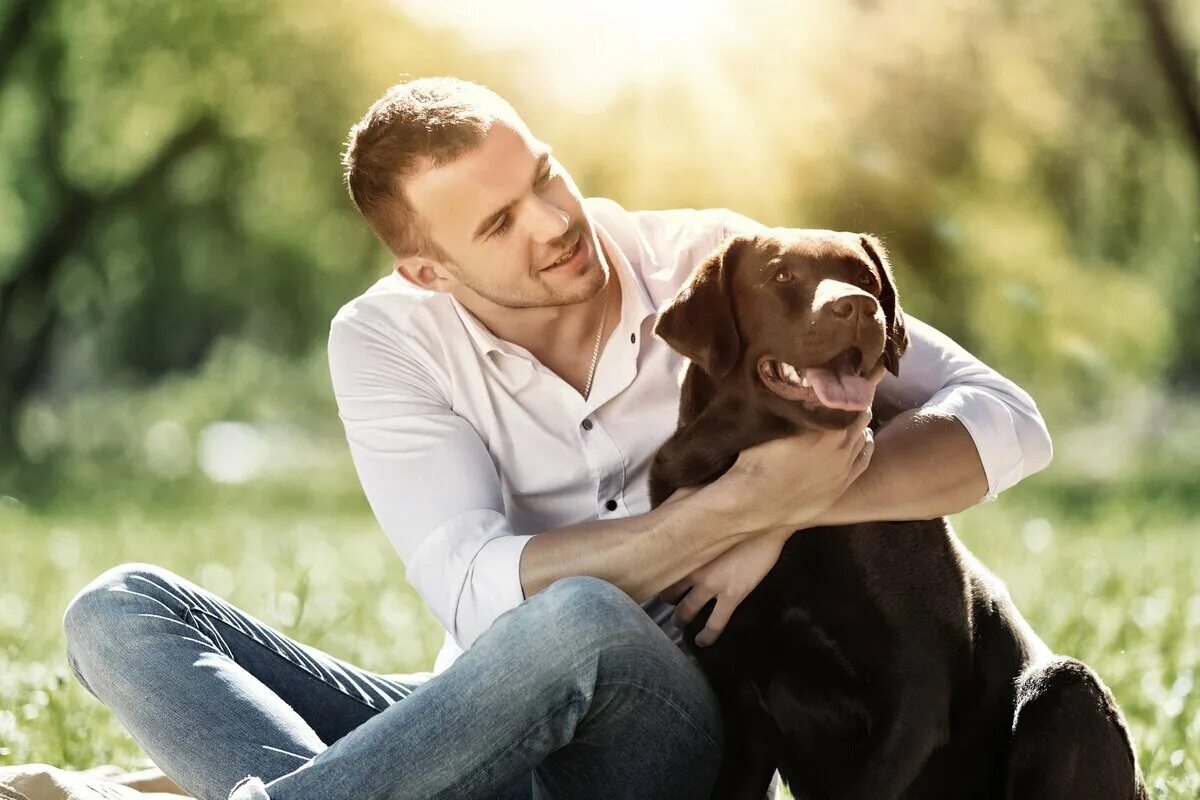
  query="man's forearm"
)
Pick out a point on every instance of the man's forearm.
point(643, 554)
point(924, 466)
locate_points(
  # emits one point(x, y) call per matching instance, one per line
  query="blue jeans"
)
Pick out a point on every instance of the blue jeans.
point(575, 693)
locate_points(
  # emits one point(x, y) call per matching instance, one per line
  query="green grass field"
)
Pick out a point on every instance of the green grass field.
point(1107, 574)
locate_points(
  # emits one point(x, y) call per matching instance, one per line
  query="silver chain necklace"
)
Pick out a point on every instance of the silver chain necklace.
point(587, 390)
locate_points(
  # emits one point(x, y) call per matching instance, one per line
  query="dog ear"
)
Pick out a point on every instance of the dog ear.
point(897, 335)
point(699, 321)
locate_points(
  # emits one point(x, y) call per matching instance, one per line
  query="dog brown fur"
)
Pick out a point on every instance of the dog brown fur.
point(880, 660)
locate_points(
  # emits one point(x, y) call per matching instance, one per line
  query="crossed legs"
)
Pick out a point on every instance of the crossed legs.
point(574, 693)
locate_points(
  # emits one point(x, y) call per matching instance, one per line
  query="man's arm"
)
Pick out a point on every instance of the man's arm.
point(925, 465)
point(964, 434)
point(645, 554)
point(640, 554)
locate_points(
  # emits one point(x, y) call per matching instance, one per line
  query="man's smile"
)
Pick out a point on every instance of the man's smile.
point(572, 259)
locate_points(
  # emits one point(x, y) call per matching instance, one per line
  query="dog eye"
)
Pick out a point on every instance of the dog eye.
point(783, 276)
point(866, 281)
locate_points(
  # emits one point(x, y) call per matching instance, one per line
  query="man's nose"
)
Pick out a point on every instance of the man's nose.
point(547, 221)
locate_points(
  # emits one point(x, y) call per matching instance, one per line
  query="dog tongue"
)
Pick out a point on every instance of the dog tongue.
point(841, 390)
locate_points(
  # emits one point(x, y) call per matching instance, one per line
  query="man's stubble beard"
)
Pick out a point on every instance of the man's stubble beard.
point(597, 270)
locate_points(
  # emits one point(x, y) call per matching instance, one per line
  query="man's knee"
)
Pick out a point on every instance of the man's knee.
point(588, 608)
point(592, 623)
point(604, 644)
point(99, 607)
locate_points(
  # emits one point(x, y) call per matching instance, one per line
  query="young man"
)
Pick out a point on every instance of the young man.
point(502, 396)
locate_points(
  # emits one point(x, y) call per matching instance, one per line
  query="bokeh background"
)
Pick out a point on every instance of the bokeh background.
point(175, 237)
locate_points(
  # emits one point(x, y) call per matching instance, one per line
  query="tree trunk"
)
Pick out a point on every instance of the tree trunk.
point(1175, 63)
point(29, 313)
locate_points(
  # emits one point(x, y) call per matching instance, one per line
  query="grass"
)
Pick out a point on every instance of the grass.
point(1106, 569)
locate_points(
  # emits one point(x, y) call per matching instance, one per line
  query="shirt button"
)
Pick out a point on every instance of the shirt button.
point(633, 338)
point(587, 424)
point(611, 505)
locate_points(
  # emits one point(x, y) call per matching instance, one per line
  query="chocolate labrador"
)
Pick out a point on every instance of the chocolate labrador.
point(879, 660)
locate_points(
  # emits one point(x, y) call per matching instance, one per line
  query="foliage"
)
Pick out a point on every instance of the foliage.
point(170, 172)
point(1020, 160)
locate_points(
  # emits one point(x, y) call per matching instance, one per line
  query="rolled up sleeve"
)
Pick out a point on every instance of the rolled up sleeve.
point(428, 478)
point(941, 377)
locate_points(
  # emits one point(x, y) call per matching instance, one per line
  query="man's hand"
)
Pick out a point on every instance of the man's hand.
point(787, 482)
point(729, 577)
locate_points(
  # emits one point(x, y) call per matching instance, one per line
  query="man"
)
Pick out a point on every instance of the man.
point(502, 397)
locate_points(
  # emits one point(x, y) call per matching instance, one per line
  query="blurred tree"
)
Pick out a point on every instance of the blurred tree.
point(173, 177)
point(1169, 50)
point(169, 171)
point(29, 312)
point(1016, 158)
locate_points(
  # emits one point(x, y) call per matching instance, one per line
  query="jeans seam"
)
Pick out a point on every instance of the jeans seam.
point(193, 610)
point(512, 746)
point(666, 699)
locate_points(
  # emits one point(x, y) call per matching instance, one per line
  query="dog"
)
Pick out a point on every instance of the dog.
point(876, 661)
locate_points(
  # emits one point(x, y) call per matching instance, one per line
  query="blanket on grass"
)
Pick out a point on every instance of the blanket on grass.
point(43, 782)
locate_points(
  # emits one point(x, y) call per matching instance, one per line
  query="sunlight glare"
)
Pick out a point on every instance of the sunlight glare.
point(579, 52)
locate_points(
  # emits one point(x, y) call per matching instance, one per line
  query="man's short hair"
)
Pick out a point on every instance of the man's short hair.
point(425, 122)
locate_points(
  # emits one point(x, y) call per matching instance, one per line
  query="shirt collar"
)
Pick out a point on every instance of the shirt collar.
point(636, 304)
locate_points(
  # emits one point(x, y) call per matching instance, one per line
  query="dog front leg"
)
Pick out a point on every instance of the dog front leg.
point(919, 727)
point(748, 761)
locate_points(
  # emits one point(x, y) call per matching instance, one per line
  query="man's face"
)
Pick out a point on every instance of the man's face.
point(504, 214)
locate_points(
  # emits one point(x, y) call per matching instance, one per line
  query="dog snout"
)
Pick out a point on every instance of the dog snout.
point(857, 305)
point(842, 303)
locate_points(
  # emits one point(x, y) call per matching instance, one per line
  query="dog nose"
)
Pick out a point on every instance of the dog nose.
point(862, 305)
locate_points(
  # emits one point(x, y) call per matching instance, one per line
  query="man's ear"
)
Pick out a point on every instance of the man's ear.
point(897, 335)
point(423, 273)
point(699, 322)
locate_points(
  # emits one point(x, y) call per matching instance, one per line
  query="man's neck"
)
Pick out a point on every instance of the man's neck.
point(554, 333)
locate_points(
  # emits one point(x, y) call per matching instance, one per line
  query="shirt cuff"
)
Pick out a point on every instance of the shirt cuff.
point(990, 422)
point(468, 571)
point(493, 586)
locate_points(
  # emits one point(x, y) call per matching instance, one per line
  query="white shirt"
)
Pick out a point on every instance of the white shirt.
point(467, 446)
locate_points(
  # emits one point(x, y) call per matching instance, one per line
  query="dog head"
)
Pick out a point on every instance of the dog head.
point(806, 315)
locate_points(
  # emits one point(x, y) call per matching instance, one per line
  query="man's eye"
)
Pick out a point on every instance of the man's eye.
point(502, 228)
point(545, 176)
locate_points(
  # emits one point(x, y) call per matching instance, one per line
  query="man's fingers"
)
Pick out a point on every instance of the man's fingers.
point(675, 591)
point(717, 620)
point(862, 460)
point(690, 606)
point(855, 429)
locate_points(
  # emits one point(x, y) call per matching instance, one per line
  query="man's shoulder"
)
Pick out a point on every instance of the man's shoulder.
point(390, 305)
point(391, 313)
point(391, 335)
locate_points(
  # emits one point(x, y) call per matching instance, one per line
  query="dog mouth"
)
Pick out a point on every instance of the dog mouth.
point(839, 383)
